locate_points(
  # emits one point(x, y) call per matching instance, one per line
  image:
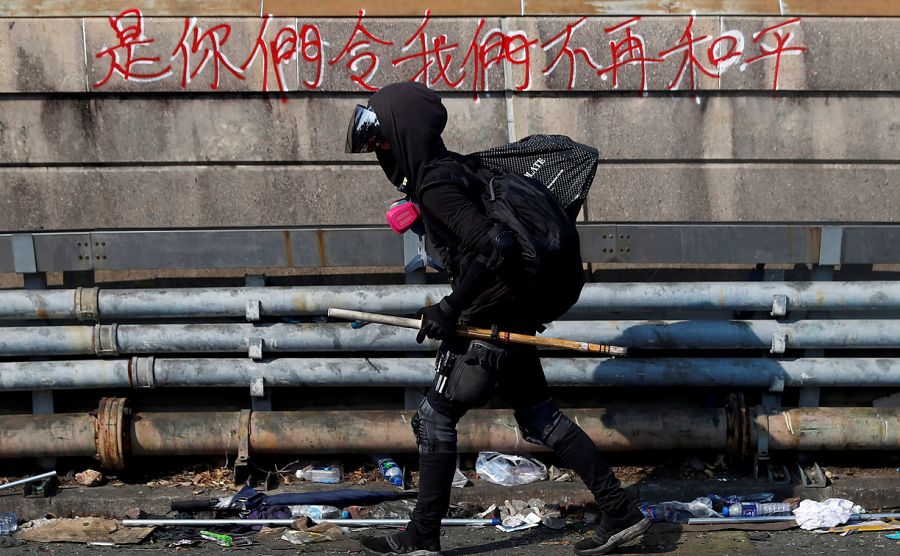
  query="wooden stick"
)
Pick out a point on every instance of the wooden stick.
point(484, 333)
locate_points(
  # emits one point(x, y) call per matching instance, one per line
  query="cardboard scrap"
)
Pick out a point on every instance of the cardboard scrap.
point(82, 530)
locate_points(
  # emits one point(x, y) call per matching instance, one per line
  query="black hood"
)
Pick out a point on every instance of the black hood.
point(412, 119)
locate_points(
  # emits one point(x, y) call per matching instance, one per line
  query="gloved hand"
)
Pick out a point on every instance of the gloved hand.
point(438, 321)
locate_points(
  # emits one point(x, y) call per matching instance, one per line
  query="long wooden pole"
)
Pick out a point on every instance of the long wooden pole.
point(484, 333)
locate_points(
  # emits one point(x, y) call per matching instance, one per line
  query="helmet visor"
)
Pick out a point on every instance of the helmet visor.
point(364, 133)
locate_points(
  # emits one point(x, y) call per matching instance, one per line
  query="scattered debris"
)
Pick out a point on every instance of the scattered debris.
point(830, 513)
point(8, 523)
point(893, 536)
point(222, 540)
point(134, 513)
point(460, 480)
point(560, 475)
point(866, 527)
point(509, 470)
point(82, 530)
point(759, 536)
point(89, 478)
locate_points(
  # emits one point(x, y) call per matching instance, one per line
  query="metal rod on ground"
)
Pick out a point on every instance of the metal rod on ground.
point(29, 480)
point(483, 333)
point(288, 522)
point(779, 518)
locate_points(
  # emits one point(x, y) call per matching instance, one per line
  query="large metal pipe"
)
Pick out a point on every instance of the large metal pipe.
point(151, 372)
point(273, 432)
point(148, 372)
point(598, 298)
point(852, 428)
point(281, 338)
point(38, 436)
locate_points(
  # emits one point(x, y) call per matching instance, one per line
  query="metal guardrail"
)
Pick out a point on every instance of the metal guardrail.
point(686, 243)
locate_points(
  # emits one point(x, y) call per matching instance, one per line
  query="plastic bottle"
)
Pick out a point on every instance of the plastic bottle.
point(329, 474)
point(316, 512)
point(8, 523)
point(753, 509)
point(679, 512)
point(390, 470)
point(722, 502)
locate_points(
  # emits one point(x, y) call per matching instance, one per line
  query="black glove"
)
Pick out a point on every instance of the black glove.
point(438, 321)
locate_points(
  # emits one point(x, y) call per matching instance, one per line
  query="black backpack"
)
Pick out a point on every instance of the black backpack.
point(565, 167)
point(553, 275)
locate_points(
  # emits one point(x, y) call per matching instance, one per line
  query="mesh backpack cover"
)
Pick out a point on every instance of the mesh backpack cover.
point(565, 167)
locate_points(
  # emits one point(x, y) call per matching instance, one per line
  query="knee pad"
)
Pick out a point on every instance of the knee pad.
point(435, 432)
point(543, 424)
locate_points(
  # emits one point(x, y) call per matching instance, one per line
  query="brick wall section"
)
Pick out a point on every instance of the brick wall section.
point(132, 153)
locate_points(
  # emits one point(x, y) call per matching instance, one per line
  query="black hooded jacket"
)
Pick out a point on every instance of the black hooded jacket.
point(412, 119)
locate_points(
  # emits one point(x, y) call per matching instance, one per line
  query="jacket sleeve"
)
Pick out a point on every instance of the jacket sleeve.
point(448, 204)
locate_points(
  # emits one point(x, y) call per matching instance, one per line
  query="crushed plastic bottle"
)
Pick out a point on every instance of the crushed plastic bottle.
point(393, 509)
point(329, 474)
point(753, 509)
point(316, 512)
point(8, 523)
point(679, 512)
point(389, 469)
point(721, 502)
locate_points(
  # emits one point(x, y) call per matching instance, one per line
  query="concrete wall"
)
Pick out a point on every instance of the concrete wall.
point(81, 146)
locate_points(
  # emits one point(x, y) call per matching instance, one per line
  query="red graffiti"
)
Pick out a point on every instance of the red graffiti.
point(312, 51)
point(633, 47)
point(440, 54)
point(492, 49)
point(781, 46)
point(191, 42)
point(565, 50)
point(689, 61)
point(717, 58)
point(351, 50)
point(131, 37)
point(436, 59)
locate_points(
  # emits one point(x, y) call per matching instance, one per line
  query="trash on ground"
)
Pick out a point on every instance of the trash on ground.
point(328, 474)
point(830, 513)
point(222, 540)
point(389, 469)
point(460, 480)
point(864, 527)
point(316, 512)
point(559, 475)
point(519, 522)
point(89, 478)
point(183, 543)
point(893, 536)
point(8, 523)
point(679, 512)
point(392, 509)
point(509, 470)
point(82, 530)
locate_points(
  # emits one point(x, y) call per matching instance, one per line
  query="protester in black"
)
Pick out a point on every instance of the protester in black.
point(403, 125)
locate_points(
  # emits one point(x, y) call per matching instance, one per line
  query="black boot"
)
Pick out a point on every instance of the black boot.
point(577, 451)
point(422, 535)
point(613, 532)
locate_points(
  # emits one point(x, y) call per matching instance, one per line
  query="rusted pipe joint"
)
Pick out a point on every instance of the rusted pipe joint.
point(111, 433)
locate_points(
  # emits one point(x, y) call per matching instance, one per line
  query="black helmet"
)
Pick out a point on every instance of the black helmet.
point(364, 133)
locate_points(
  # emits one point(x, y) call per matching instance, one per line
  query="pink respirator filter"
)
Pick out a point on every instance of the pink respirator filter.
point(402, 215)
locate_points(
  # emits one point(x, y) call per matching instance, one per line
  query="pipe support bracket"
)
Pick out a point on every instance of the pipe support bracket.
point(87, 304)
point(779, 305)
point(143, 372)
point(106, 339)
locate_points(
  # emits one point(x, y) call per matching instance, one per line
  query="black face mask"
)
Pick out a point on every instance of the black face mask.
point(392, 170)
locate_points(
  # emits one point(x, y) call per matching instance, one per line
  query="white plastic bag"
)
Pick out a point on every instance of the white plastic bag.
point(508, 470)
